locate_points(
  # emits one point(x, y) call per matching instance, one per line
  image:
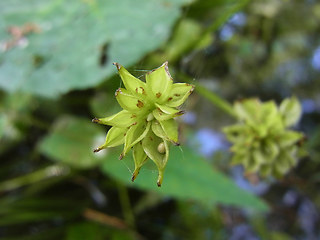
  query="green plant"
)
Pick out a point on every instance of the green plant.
point(261, 139)
point(147, 122)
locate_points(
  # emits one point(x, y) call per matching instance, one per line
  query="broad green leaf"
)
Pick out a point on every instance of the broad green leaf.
point(15, 114)
point(290, 109)
point(187, 176)
point(103, 104)
point(68, 39)
point(71, 141)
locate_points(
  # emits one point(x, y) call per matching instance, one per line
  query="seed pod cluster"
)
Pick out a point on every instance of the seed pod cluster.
point(261, 139)
point(146, 124)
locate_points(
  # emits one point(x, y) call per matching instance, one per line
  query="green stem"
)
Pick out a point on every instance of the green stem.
point(232, 9)
point(39, 175)
point(216, 100)
point(212, 97)
point(125, 204)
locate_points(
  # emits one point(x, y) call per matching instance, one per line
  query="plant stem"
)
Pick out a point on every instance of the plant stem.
point(39, 175)
point(216, 100)
point(212, 97)
point(232, 9)
point(125, 204)
point(105, 219)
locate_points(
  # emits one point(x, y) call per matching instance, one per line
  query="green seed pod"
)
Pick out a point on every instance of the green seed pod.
point(146, 124)
point(261, 141)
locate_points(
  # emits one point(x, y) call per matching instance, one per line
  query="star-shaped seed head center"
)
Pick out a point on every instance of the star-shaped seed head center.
point(146, 124)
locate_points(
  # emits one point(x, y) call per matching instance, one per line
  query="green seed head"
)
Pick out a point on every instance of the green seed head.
point(146, 124)
point(261, 139)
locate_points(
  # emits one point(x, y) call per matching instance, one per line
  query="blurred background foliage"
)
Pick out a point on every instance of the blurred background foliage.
point(56, 74)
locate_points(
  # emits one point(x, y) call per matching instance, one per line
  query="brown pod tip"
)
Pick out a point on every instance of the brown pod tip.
point(97, 149)
point(95, 120)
